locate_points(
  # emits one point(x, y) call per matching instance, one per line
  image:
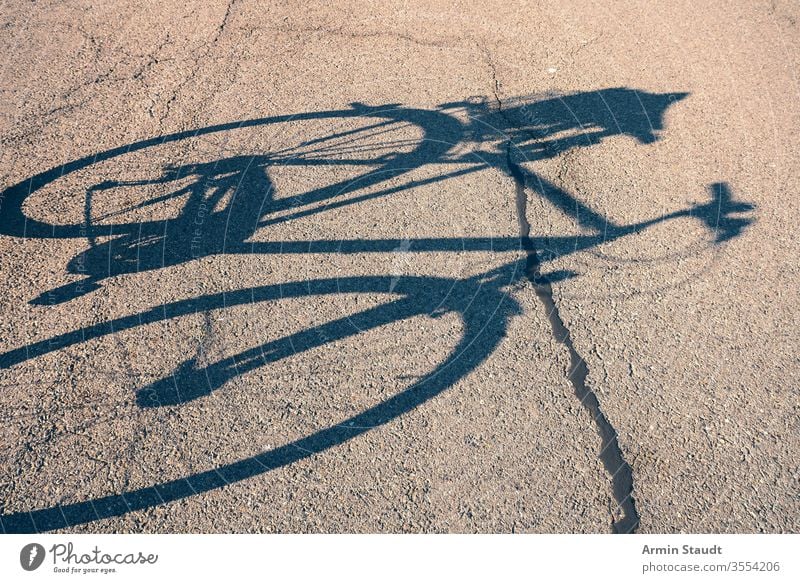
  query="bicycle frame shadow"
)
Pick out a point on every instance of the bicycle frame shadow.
point(531, 130)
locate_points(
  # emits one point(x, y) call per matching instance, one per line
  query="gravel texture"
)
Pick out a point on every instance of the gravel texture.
point(417, 267)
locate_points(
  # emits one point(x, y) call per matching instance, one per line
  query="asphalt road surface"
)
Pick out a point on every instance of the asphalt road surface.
point(424, 266)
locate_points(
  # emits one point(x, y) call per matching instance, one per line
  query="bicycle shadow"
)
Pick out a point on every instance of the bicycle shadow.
point(531, 130)
point(537, 129)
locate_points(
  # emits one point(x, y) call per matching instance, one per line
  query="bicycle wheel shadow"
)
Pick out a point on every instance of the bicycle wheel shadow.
point(483, 329)
point(538, 128)
point(534, 129)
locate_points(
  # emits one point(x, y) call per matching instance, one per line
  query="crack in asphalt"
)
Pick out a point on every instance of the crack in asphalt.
point(611, 454)
point(487, 57)
point(37, 120)
point(342, 31)
point(208, 46)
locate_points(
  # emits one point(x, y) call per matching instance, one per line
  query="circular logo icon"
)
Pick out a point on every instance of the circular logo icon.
point(31, 556)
